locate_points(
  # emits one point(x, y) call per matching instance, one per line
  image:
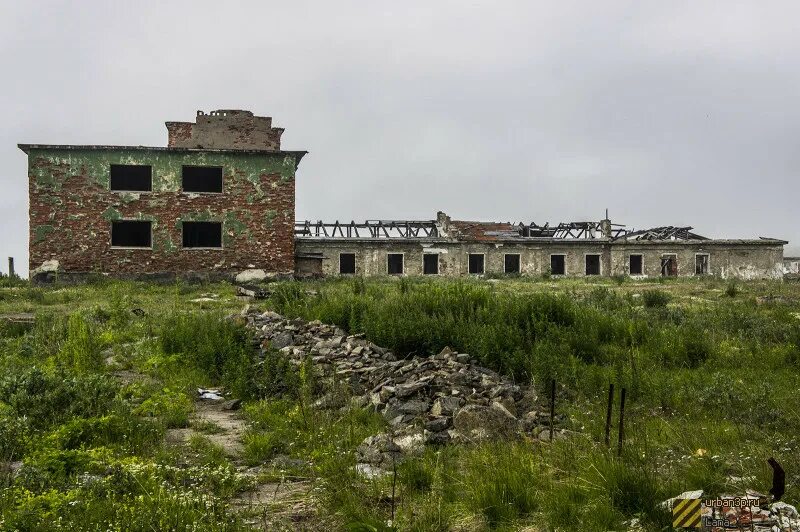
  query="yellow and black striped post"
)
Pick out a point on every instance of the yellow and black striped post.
point(686, 513)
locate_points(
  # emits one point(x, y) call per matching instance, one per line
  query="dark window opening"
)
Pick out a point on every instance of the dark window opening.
point(394, 263)
point(131, 177)
point(430, 264)
point(592, 264)
point(347, 263)
point(635, 266)
point(131, 234)
point(202, 179)
point(669, 266)
point(557, 264)
point(202, 234)
point(701, 264)
point(511, 263)
point(476, 263)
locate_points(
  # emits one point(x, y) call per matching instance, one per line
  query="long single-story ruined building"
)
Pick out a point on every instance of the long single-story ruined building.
point(451, 247)
point(219, 202)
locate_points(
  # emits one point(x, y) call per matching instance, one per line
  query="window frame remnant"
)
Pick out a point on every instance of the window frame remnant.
point(589, 264)
point(200, 184)
point(427, 258)
point(124, 178)
point(561, 257)
point(351, 258)
point(666, 260)
point(197, 224)
point(117, 225)
point(390, 257)
point(640, 259)
point(516, 268)
point(470, 264)
point(704, 265)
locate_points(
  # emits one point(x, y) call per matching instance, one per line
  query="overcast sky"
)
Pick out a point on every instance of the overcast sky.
point(666, 113)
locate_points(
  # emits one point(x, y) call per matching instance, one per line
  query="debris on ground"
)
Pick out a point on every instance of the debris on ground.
point(447, 397)
point(210, 395)
point(251, 292)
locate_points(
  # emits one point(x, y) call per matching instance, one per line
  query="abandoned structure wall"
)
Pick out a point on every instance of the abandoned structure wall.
point(72, 209)
point(791, 266)
point(746, 261)
point(225, 129)
point(726, 259)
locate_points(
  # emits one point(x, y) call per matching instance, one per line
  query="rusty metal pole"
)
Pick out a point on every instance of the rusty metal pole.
point(11, 274)
point(621, 422)
point(552, 406)
point(609, 410)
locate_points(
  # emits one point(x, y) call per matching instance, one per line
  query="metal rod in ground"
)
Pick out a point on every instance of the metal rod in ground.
point(394, 480)
point(609, 411)
point(10, 267)
point(621, 421)
point(552, 406)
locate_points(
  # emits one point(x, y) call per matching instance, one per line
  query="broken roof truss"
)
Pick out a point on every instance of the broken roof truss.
point(667, 232)
point(413, 229)
point(569, 230)
point(368, 229)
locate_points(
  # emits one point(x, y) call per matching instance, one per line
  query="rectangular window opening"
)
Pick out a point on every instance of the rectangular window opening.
point(202, 234)
point(131, 234)
point(202, 179)
point(669, 266)
point(701, 264)
point(511, 263)
point(558, 264)
point(476, 263)
point(131, 177)
point(394, 263)
point(635, 266)
point(347, 263)
point(592, 264)
point(430, 264)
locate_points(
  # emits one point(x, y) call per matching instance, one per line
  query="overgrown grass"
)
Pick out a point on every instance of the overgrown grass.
point(695, 369)
point(710, 374)
point(91, 447)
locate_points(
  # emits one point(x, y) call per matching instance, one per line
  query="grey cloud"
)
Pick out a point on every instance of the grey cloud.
point(665, 113)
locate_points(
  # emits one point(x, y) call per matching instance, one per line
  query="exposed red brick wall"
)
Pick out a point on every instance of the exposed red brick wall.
point(178, 133)
point(71, 208)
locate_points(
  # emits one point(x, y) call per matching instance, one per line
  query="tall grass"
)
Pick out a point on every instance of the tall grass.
point(538, 335)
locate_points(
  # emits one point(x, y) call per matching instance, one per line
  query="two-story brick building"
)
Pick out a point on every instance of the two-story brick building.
point(218, 200)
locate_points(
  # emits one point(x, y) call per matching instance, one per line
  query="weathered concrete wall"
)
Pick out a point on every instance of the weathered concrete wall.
point(71, 209)
point(726, 260)
point(791, 266)
point(225, 129)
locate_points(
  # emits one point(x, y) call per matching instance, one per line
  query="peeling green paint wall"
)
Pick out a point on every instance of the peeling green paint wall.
point(72, 210)
point(53, 167)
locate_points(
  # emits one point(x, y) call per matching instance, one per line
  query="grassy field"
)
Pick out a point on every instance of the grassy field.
point(93, 393)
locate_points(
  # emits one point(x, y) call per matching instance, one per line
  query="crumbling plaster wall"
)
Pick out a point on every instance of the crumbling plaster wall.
point(371, 256)
point(71, 209)
point(726, 260)
point(742, 261)
point(225, 129)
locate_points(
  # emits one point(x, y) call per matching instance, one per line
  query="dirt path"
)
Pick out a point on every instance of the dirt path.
point(231, 424)
point(285, 505)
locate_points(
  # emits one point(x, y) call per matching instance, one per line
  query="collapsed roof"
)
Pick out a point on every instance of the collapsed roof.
point(474, 231)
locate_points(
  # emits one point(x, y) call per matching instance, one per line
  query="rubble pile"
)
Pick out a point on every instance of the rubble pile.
point(443, 398)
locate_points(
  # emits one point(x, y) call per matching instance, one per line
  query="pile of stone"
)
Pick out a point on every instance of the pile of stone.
point(436, 399)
